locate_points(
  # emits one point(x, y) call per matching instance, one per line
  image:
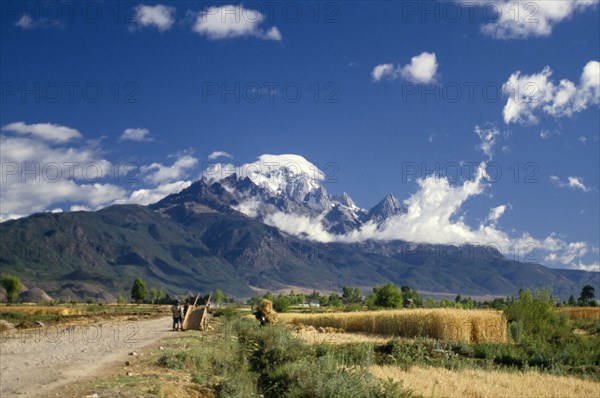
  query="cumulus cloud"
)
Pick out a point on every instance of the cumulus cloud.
point(572, 182)
point(159, 17)
point(37, 175)
point(45, 131)
point(421, 69)
point(530, 94)
point(523, 19)
point(137, 134)
point(594, 267)
point(233, 21)
point(384, 71)
point(158, 173)
point(219, 154)
point(44, 167)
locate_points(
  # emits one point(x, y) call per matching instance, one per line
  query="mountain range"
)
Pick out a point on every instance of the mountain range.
point(239, 231)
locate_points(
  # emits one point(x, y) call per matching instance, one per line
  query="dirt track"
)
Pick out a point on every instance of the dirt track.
point(37, 362)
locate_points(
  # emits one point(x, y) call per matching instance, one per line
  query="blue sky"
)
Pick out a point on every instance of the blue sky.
point(377, 94)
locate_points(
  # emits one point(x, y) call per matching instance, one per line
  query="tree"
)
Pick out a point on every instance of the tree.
point(153, 295)
point(13, 285)
point(586, 296)
point(458, 298)
point(351, 295)
point(139, 291)
point(218, 296)
point(281, 303)
point(314, 296)
point(388, 296)
point(335, 300)
point(572, 302)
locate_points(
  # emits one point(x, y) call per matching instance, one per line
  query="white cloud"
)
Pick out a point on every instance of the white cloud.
point(36, 176)
point(421, 69)
point(41, 169)
point(45, 131)
point(577, 183)
point(158, 173)
point(302, 226)
point(137, 134)
point(147, 196)
point(384, 71)
point(545, 134)
point(568, 252)
point(572, 182)
point(159, 16)
point(594, 267)
point(496, 213)
point(27, 22)
point(219, 154)
point(488, 137)
point(522, 19)
point(232, 21)
point(529, 94)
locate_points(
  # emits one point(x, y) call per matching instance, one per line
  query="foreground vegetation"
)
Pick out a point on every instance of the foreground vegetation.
point(530, 348)
point(238, 358)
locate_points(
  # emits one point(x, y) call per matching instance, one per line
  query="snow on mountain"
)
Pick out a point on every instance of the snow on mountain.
point(388, 207)
point(286, 191)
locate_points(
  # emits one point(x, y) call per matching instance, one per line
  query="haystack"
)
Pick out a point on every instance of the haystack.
point(265, 313)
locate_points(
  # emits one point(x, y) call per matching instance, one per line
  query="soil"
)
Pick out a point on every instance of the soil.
point(34, 363)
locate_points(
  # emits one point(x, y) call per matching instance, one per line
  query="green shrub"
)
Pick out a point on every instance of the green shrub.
point(228, 312)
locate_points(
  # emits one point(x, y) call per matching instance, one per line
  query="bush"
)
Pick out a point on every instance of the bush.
point(388, 296)
point(535, 313)
point(281, 304)
point(13, 286)
point(228, 312)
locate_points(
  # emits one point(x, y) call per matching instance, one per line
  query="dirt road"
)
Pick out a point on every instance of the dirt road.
point(36, 362)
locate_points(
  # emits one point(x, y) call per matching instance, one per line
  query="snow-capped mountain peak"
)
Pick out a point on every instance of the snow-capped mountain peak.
point(277, 186)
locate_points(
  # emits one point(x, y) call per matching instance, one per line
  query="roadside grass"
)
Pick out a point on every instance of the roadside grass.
point(240, 359)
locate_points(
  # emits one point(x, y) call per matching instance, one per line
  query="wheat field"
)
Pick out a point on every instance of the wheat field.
point(42, 310)
point(439, 323)
point(581, 312)
point(439, 382)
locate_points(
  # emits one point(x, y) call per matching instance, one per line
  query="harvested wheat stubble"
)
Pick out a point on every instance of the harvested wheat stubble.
point(43, 310)
point(439, 382)
point(438, 323)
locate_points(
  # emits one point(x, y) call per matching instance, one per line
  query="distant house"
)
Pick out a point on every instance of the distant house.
point(314, 303)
